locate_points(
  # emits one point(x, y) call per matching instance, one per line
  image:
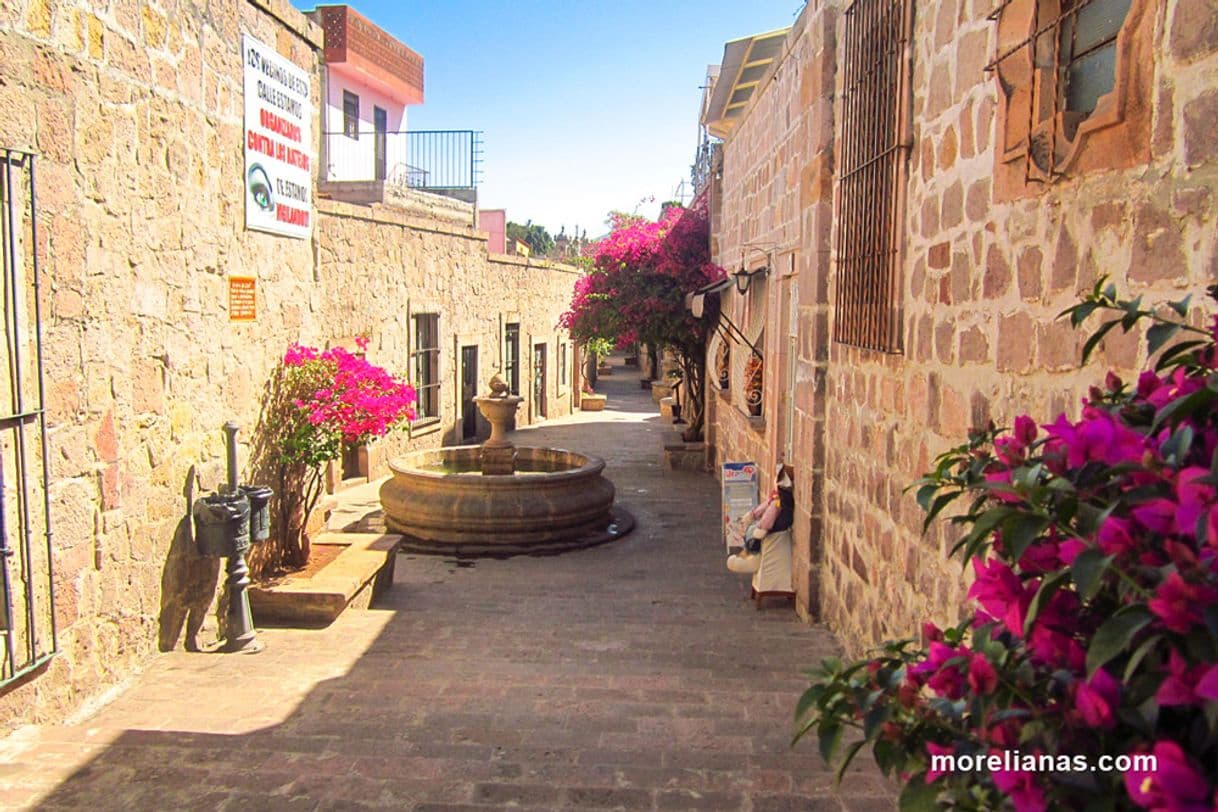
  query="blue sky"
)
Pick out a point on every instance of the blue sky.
point(585, 106)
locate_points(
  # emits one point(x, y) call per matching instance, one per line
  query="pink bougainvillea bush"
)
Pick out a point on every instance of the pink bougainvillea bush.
point(322, 400)
point(636, 286)
point(1092, 630)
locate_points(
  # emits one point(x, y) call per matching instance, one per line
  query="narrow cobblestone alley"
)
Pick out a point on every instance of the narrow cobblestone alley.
point(634, 675)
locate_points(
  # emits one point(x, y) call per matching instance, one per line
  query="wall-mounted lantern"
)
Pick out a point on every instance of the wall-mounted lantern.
point(744, 278)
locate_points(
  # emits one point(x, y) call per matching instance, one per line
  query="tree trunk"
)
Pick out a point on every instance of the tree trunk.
point(693, 374)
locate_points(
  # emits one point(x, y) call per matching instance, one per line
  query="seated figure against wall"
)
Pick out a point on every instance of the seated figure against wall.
point(773, 516)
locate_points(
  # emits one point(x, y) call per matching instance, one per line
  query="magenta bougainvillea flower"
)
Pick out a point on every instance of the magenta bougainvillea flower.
point(639, 276)
point(343, 398)
point(1092, 627)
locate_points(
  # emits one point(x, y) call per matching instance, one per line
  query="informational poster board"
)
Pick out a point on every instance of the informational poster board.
point(242, 298)
point(739, 497)
point(278, 143)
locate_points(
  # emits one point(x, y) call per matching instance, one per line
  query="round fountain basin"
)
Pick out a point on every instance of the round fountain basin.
point(441, 501)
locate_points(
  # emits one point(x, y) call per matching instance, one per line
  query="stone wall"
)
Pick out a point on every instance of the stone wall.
point(409, 266)
point(984, 275)
point(135, 109)
point(136, 113)
point(775, 204)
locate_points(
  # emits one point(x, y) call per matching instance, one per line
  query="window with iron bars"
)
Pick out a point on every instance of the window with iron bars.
point(511, 357)
point(28, 633)
point(425, 361)
point(1057, 70)
point(874, 149)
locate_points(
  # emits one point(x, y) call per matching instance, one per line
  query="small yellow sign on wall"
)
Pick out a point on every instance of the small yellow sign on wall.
point(242, 301)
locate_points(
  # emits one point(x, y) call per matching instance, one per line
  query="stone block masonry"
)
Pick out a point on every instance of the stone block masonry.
point(135, 109)
point(984, 270)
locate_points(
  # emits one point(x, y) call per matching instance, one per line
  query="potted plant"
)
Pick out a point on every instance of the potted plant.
point(753, 370)
point(321, 401)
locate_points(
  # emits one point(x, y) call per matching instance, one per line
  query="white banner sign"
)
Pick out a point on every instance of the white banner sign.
point(278, 143)
point(739, 497)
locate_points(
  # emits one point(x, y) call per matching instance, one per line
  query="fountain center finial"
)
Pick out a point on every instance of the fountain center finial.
point(498, 406)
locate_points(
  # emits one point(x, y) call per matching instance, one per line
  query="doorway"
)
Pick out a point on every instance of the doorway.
point(469, 390)
point(380, 126)
point(539, 381)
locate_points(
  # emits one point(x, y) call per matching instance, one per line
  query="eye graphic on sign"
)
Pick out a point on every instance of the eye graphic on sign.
point(260, 187)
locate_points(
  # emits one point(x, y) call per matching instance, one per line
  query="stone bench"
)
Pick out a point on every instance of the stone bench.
point(592, 403)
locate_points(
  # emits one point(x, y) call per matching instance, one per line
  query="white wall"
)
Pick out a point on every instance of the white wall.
point(349, 159)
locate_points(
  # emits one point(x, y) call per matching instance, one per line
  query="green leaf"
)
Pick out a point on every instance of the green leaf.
point(1176, 447)
point(941, 501)
point(1087, 571)
point(1097, 337)
point(1211, 714)
point(830, 735)
point(876, 717)
point(1019, 533)
point(1185, 406)
point(983, 525)
point(1011, 713)
point(1080, 312)
point(810, 698)
point(1140, 653)
point(851, 752)
point(1174, 351)
point(919, 796)
point(1115, 635)
point(1047, 587)
point(1181, 307)
point(1159, 334)
point(1211, 619)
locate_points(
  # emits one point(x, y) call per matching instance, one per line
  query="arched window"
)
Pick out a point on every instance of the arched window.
point(1062, 71)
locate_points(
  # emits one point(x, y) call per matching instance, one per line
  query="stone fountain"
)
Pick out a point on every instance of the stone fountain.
point(499, 499)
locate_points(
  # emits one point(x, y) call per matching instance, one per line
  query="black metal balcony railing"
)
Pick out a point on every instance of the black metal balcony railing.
point(707, 162)
point(420, 159)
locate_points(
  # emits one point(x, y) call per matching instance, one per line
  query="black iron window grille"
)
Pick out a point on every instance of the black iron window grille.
point(426, 363)
point(511, 357)
point(874, 151)
point(28, 611)
point(1054, 78)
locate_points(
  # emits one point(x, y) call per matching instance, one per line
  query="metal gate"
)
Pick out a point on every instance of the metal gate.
point(27, 613)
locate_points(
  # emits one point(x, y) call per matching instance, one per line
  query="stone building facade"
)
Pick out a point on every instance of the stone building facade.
point(988, 250)
point(135, 111)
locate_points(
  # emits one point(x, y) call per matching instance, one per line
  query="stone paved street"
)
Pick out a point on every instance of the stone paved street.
point(635, 675)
